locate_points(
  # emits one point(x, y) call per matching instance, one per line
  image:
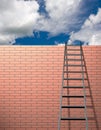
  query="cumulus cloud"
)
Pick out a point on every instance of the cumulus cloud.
point(20, 18)
point(62, 16)
point(17, 19)
point(90, 31)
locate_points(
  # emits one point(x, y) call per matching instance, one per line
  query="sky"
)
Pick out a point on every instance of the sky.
point(50, 22)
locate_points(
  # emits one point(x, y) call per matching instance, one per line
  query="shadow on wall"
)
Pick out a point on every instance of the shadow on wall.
point(90, 102)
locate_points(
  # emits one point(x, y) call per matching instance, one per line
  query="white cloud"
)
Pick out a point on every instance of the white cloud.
point(90, 31)
point(62, 16)
point(19, 18)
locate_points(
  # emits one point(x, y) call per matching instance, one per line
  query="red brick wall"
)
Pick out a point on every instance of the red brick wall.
point(30, 83)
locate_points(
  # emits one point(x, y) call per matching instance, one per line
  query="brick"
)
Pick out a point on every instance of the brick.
point(30, 83)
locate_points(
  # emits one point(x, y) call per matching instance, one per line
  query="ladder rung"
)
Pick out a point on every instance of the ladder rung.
point(73, 118)
point(74, 59)
point(73, 54)
point(75, 79)
point(74, 65)
point(73, 45)
point(72, 86)
point(72, 107)
point(73, 96)
point(73, 49)
point(74, 71)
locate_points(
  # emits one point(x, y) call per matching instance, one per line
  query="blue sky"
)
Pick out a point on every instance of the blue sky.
point(42, 38)
point(50, 22)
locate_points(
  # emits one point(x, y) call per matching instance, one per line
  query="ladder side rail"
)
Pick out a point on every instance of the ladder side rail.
point(61, 91)
point(84, 89)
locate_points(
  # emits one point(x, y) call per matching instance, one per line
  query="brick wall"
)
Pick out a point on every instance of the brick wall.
point(30, 83)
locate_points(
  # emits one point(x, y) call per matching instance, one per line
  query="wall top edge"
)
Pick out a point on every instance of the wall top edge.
point(45, 46)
